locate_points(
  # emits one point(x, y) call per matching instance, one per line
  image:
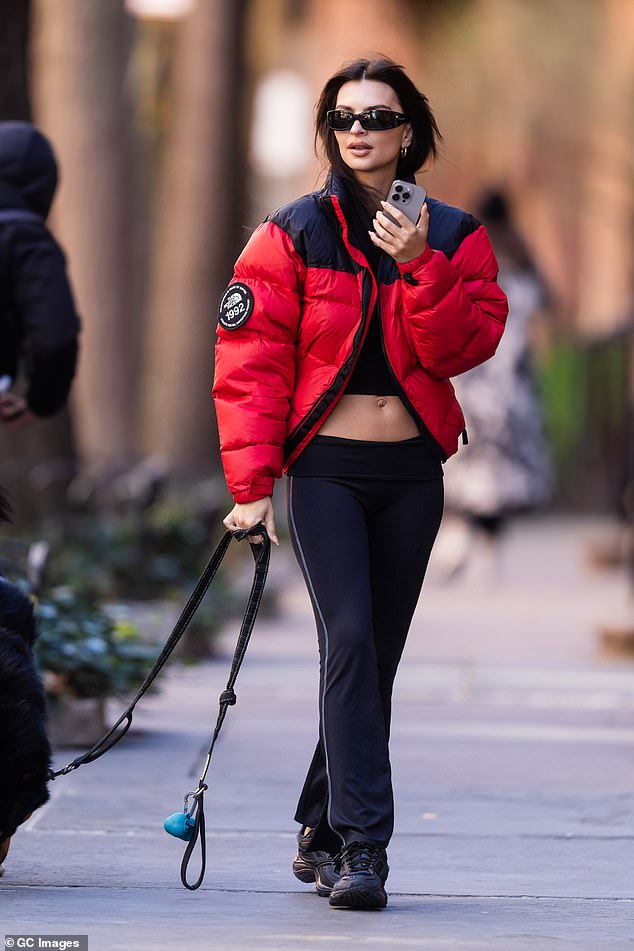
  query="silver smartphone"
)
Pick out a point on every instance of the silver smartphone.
point(407, 198)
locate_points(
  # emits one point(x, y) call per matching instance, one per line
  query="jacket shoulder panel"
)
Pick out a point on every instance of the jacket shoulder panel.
point(448, 226)
point(314, 236)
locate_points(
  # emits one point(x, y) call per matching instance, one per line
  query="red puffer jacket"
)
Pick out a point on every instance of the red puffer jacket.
point(294, 317)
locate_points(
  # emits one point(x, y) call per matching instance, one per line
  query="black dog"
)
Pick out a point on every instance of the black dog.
point(25, 753)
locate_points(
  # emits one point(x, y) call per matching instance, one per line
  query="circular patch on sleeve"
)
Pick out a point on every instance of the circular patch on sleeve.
point(236, 306)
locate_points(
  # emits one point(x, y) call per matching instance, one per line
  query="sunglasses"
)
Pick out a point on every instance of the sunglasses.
point(372, 120)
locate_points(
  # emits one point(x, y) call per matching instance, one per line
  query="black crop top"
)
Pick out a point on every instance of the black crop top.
point(371, 374)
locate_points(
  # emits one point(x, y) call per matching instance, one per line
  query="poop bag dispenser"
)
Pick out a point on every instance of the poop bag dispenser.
point(182, 824)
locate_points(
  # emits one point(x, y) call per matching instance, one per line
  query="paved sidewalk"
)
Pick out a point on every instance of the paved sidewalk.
point(513, 762)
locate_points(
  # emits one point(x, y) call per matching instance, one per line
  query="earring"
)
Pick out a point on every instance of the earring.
point(403, 151)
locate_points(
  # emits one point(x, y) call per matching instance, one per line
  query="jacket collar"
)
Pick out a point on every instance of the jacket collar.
point(335, 200)
point(335, 185)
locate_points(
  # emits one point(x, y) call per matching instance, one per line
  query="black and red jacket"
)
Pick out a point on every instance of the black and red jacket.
point(294, 317)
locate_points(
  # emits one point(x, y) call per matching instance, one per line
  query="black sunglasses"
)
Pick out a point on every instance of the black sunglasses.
point(372, 120)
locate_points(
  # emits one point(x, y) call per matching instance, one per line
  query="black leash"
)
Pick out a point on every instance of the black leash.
point(190, 824)
point(226, 700)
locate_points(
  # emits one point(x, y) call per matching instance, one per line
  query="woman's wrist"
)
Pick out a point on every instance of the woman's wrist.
point(416, 262)
point(248, 514)
point(262, 498)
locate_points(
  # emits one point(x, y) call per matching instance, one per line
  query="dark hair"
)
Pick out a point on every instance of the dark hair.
point(425, 133)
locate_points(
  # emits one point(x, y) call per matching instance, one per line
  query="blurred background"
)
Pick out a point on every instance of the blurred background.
point(179, 124)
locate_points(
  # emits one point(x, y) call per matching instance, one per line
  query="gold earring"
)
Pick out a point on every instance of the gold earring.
point(403, 151)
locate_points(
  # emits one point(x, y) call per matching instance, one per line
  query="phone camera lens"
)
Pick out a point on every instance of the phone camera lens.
point(405, 196)
point(398, 188)
point(396, 197)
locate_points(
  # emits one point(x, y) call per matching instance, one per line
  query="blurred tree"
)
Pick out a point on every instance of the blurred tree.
point(14, 91)
point(628, 492)
point(80, 56)
point(196, 235)
point(606, 268)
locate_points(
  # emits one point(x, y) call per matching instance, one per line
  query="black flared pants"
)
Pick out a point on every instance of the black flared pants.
point(363, 545)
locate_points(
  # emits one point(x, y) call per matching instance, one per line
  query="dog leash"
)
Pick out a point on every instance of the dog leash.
point(190, 824)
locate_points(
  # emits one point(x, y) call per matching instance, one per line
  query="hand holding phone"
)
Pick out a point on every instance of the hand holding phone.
point(407, 198)
point(404, 240)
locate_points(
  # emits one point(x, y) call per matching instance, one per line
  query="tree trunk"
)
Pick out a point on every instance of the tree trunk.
point(606, 273)
point(199, 214)
point(14, 88)
point(80, 59)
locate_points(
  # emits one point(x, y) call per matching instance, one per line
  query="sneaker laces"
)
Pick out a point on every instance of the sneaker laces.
point(356, 857)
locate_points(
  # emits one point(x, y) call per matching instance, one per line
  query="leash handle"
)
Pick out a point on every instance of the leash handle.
point(199, 832)
point(111, 737)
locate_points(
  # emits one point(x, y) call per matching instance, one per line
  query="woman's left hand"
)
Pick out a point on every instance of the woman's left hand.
point(404, 243)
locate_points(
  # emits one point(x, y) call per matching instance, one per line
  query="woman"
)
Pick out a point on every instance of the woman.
point(336, 341)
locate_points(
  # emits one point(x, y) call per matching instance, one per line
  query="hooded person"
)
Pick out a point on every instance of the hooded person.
point(39, 325)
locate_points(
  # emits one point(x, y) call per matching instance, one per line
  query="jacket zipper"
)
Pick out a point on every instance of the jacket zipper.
point(338, 385)
point(336, 388)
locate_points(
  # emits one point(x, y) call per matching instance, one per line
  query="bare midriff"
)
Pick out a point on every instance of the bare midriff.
point(376, 418)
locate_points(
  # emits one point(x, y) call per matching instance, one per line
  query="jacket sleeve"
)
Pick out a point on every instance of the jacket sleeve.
point(454, 308)
point(48, 324)
point(255, 364)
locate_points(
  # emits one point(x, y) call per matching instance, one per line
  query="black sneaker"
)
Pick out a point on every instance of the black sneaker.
point(363, 871)
point(314, 867)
